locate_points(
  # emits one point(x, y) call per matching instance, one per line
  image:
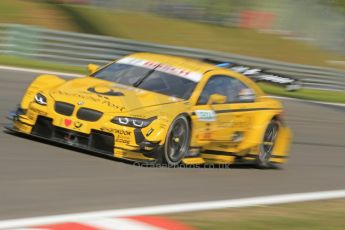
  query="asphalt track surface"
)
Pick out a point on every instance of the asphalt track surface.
point(42, 179)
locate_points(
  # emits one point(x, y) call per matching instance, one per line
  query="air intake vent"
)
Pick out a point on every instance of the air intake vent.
point(64, 108)
point(89, 114)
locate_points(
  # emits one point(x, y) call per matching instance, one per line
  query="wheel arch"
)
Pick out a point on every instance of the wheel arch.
point(189, 119)
point(258, 126)
point(255, 136)
point(164, 157)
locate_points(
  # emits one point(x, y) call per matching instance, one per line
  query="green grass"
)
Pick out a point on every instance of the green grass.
point(157, 29)
point(308, 94)
point(30, 63)
point(300, 216)
point(153, 28)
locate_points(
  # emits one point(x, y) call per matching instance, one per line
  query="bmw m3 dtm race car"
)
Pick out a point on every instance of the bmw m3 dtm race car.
point(159, 109)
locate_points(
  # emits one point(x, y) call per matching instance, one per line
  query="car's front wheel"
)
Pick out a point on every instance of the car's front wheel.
point(177, 142)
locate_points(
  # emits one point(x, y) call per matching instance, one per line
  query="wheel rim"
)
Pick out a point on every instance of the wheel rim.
point(268, 142)
point(177, 141)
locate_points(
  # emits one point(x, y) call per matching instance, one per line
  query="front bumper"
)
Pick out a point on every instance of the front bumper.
point(96, 141)
point(76, 144)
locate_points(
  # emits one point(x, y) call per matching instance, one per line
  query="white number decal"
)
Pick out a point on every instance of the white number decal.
point(206, 115)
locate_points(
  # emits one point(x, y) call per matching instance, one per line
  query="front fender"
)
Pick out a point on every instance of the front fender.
point(157, 131)
point(40, 83)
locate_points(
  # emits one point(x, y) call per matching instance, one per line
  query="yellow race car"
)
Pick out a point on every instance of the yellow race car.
point(159, 109)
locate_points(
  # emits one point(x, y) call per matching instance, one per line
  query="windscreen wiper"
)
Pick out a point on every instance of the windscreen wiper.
point(139, 81)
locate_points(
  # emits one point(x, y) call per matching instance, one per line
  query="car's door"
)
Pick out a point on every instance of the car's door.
point(228, 120)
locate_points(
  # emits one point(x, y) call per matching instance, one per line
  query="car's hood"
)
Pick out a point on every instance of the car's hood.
point(107, 96)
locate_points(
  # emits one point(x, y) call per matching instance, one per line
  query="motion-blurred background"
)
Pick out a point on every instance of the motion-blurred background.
point(302, 39)
point(245, 27)
point(321, 22)
point(308, 32)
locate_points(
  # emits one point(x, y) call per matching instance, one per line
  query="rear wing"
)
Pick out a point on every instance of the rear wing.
point(258, 74)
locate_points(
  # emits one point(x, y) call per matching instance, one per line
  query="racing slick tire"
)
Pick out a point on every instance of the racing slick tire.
point(176, 144)
point(266, 147)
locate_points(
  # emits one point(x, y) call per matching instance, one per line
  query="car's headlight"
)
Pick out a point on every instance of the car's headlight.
point(40, 99)
point(132, 122)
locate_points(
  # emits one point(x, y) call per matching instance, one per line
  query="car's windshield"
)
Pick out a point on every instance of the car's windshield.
point(122, 73)
point(148, 79)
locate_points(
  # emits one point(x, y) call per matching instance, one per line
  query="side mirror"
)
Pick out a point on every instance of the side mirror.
point(92, 68)
point(217, 99)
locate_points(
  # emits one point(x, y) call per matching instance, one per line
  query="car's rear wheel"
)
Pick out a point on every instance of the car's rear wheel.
point(267, 145)
point(177, 142)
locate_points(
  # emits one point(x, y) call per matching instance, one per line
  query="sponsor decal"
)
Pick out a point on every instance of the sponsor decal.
point(96, 98)
point(116, 131)
point(226, 124)
point(67, 122)
point(104, 91)
point(122, 139)
point(238, 122)
point(207, 135)
point(205, 115)
point(138, 62)
point(193, 76)
point(181, 72)
point(122, 136)
point(265, 75)
point(138, 116)
point(122, 132)
point(77, 124)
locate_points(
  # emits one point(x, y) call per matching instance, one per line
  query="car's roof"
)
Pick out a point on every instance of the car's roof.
point(176, 61)
point(188, 68)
